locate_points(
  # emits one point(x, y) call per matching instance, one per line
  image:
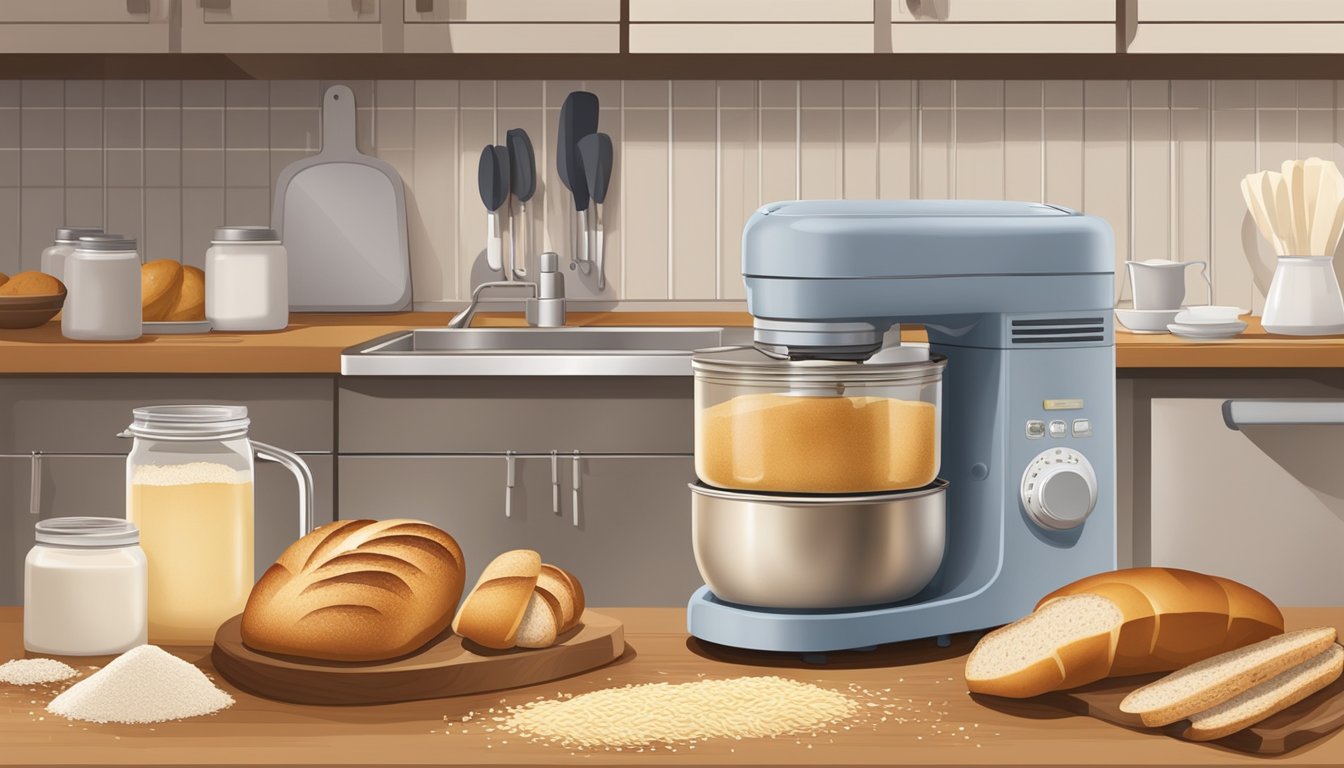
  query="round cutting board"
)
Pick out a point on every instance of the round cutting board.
point(446, 667)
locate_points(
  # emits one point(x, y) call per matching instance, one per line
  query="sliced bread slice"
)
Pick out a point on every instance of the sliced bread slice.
point(1213, 681)
point(1066, 642)
point(541, 621)
point(1272, 696)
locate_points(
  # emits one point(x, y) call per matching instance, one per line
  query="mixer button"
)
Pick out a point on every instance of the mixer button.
point(1035, 429)
point(1082, 428)
point(1059, 428)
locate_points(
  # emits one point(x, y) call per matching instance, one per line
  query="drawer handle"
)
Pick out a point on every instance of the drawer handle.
point(1264, 413)
point(510, 479)
point(35, 485)
point(578, 472)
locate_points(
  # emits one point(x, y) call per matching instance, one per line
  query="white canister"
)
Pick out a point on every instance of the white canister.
point(246, 280)
point(85, 588)
point(102, 281)
point(54, 256)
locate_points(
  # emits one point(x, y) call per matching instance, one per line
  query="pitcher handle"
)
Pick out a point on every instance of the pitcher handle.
point(1204, 273)
point(304, 476)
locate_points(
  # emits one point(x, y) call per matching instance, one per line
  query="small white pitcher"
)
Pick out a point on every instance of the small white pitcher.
point(1160, 283)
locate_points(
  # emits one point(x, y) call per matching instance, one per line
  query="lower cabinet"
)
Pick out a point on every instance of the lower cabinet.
point(624, 529)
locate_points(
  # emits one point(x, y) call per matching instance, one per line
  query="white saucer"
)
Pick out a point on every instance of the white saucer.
point(1210, 314)
point(1207, 330)
point(1146, 320)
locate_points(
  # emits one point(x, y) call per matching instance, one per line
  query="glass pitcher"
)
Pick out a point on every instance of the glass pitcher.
point(189, 490)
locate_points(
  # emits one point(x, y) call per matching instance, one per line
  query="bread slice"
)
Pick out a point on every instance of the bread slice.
point(541, 621)
point(1270, 697)
point(1066, 642)
point(493, 611)
point(1215, 680)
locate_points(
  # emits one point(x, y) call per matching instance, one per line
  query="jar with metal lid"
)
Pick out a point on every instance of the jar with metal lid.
point(85, 590)
point(103, 290)
point(246, 280)
point(54, 256)
point(818, 426)
point(189, 489)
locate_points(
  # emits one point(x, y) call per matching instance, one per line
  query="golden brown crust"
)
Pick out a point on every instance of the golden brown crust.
point(494, 609)
point(190, 303)
point(357, 590)
point(556, 584)
point(160, 283)
point(31, 284)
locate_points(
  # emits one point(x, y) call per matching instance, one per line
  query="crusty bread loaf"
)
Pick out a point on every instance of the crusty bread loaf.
point(1135, 621)
point(554, 608)
point(190, 302)
point(1208, 683)
point(160, 284)
point(32, 284)
point(494, 609)
point(357, 590)
point(1270, 697)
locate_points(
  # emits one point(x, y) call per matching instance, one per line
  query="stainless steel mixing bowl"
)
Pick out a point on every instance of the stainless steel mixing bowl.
point(777, 551)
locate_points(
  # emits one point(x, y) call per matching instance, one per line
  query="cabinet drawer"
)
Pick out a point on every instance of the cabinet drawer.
point(758, 11)
point(1221, 11)
point(493, 415)
point(751, 26)
point(632, 544)
point(1000, 11)
point(512, 26)
point(76, 414)
point(991, 26)
point(510, 11)
point(290, 11)
point(292, 26)
point(81, 11)
point(1239, 26)
point(85, 26)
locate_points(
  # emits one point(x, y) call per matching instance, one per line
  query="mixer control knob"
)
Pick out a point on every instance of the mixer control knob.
point(1059, 489)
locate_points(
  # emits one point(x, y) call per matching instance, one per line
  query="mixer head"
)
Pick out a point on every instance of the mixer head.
point(803, 340)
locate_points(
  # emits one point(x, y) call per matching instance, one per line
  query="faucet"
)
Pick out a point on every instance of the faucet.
point(545, 308)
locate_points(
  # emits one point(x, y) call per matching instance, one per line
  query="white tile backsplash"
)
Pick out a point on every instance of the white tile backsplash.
point(1161, 160)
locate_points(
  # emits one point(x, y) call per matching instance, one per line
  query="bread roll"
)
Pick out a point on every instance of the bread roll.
point(1120, 623)
point(32, 284)
point(190, 303)
point(357, 590)
point(160, 283)
point(493, 611)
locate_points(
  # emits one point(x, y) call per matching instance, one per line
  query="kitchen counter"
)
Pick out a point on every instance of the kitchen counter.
point(313, 342)
point(920, 676)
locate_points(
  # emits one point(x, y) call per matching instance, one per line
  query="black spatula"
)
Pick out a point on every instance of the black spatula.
point(492, 176)
point(595, 151)
point(578, 118)
point(523, 184)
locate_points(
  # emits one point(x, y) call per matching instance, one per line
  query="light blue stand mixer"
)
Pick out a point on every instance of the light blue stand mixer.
point(1018, 298)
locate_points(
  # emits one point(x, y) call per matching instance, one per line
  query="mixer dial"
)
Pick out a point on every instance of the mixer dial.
point(1059, 489)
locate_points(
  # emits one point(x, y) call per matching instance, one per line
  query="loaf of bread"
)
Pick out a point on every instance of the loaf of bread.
point(357, 590)
point(1117, 623)
point(190, 302)
point(160, 284)
point(554, 608)
point(31, 284)
point(493, 611)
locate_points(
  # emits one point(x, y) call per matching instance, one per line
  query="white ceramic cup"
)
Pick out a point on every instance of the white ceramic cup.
point(1159, 283)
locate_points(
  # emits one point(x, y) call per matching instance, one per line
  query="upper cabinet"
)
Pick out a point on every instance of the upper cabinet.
point(1238, 26)
point(85, 26)
point(512, 26)
point(751, 26)
point(1004, 26)
point(290, 26)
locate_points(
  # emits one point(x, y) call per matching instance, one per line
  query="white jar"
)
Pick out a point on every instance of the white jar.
point(54, 256)
point(102, 282)
point(85, 588)
point(246, 280)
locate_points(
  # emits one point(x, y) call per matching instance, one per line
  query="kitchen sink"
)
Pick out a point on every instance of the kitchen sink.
point(569, 351)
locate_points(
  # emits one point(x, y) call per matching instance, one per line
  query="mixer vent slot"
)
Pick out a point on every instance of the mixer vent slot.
point(1059, 329)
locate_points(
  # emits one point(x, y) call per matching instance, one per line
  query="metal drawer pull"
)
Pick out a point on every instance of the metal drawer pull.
point(509, 480)
point(1257, 413)
point(577, 474)
point(555, 482)
point(35, 485)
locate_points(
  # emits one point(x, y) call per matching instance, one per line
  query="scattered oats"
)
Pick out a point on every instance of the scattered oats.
point(35, 672)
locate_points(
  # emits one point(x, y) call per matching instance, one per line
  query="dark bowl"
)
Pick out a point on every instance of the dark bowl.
point(29, 311)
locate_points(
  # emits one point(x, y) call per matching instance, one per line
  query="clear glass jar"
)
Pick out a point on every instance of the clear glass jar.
point(189, 489)
point(817, 426)
point(54, 256)
point(85, 591)
point(246, 280)
point(102, 281)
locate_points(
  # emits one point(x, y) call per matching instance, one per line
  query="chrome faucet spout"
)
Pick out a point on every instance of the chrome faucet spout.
point(463, 319)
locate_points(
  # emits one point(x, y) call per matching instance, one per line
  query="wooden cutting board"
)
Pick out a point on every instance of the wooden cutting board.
point(1310, 719)
point(447, 667)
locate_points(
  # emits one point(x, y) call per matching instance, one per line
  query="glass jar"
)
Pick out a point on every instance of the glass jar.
point(818, 426)
point(54, 256)
point(189, 489)
point(102, 281)
point(246, 280)
point(84, 588)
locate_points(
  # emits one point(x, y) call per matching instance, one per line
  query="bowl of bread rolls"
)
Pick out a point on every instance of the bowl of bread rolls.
point(29, 299)
point(172, 297)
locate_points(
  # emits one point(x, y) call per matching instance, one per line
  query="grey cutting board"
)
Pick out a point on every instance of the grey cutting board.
point(342, 216)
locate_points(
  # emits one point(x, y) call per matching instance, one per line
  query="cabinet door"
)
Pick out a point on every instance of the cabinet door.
point(994, 26)
point(512, 26)
point(632, 544)
point(751, 26)
point(84, 26)
point(1239, 26)
point(292, 26)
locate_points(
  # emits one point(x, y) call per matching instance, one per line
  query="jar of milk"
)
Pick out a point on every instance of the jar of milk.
point(84, 588)
point(189, 490)
point(246, 280)
point(102, 280)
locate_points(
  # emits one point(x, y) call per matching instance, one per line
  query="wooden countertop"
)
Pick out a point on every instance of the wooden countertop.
point(313, 342)
point(431, 732)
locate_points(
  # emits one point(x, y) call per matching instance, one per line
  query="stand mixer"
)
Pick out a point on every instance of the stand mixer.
point(1017, 297)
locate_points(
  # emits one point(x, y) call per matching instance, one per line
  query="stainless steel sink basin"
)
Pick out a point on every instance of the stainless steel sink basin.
point(571, 351)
